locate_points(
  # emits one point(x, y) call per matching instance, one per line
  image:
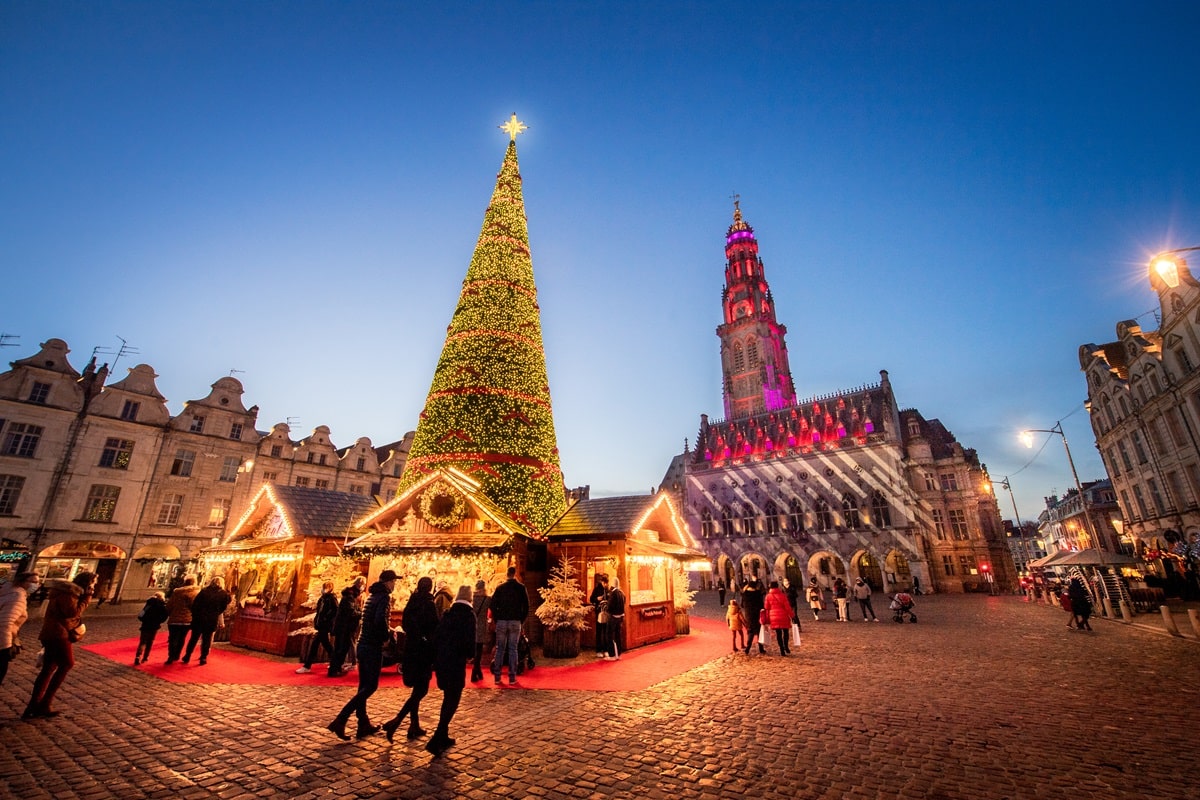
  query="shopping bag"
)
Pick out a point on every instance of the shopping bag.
point(762, 636)
point(795, 634)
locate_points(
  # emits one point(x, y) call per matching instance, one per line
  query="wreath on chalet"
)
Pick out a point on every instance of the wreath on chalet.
point(441, 506)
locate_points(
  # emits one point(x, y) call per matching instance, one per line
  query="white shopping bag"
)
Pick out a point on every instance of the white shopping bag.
point(762, 636)
point(795, 634)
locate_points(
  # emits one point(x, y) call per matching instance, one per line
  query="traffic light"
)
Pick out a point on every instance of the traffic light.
point(985, 567)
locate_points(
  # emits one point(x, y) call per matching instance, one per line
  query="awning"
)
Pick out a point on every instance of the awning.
point(1051, 560)
point(161, 550)
point(1092, 558)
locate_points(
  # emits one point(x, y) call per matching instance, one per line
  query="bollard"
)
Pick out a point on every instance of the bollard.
point(1169, 621)
point(1108, 612)
point(1126, 612)
point(1194, 616)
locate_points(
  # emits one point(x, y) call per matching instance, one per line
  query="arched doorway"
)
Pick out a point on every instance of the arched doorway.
point(826, 567)
point(67, 559)
point(867, 567)
point(899, 574)
point(788, 566)
point(752, 564)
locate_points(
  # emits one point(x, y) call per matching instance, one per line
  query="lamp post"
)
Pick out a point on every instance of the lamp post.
point(1027, 438)
point(1167, 267)
point(1020, 528)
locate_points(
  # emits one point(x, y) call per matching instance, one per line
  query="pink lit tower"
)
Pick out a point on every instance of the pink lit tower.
point(754, 357)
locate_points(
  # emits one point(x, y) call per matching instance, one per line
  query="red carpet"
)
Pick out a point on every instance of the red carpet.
point(636, 670)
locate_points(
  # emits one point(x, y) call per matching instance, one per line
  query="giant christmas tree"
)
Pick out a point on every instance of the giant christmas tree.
point(488, 412)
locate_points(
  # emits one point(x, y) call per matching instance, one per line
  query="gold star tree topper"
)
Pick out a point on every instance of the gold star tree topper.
point(513, 127)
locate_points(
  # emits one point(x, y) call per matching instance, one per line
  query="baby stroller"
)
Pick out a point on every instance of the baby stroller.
point(902, 606)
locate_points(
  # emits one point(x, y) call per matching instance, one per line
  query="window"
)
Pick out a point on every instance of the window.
point(1141, 501)
point(235, 431)
point(270, 476)
point(1113, 467)
point(302, 481)
point(276, 451)
point(707, 526)
point(726, 521)
point(101, 503)
point(1138, 448)
point(850, 512)
point(168, 512)
point(949, 482)
point(10, 492)
point(752, 353)
point(219, 513)
point(321, 459)
point(361, 465)
point(116, 454)
point(1176, 423)
point(229, 469)
point(739, 358)
point(197, 424)
point(1175, 496)
point(948, 564)
point(1156, 496)
point(321, 483)
point(1185, 363)
point(930, 483)
point(881, 513)
point(21, 440)
point(771, 522)
point(822, 518)
point(130, 410)
point(357, 488)
point(39, 393)
point(1124, 455)
point(310, 457)
point(958, 524)
point(749, 523)
point(796, 515)
point(182, 466)
point(939, 524)
point(967, 564)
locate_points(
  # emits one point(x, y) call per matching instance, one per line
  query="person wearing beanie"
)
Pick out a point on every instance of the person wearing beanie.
point(376, 630)
point(480, 602)
point(420, 622)
point(453, 641)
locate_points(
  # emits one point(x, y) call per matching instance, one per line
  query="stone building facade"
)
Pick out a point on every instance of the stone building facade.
point(101, 476)
point(843, 484)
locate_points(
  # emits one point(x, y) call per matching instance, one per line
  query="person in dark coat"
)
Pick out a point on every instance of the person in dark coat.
point(150, 620)
point(616, 611)
point(480, 602)
point(1081, 604)
point(344, 626)
point(753, 596)
point(599, 601)
point(510, 607)
point(454, 643)
point(179, 616)
point(420, 623)
point(376, 631)
point(208, 613)
point(65, 603)
point(323, 620)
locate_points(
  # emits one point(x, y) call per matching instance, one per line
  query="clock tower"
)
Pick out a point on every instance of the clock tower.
point(754, 358)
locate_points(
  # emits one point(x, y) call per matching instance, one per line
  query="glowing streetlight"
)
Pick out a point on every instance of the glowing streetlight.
point(1166, 265)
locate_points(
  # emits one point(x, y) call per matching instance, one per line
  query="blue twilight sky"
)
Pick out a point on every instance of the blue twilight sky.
point(959, 193)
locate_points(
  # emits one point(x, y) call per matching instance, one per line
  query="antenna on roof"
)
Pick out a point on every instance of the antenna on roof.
point(125, 349)
point(291, 421)
point(8, 339)
point(238, 371)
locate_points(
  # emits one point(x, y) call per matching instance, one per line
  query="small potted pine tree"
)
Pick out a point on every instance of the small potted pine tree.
point(685, 599)
point(562, 613)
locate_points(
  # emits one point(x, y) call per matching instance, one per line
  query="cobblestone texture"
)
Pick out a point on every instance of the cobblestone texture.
point(984, 698)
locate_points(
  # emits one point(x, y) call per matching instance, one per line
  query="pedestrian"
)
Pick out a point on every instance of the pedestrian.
point(814, 599)
point(1064, 600)
point(752, 604)
point(1081, 604)
point(841, 593)
point(420, 622)
point(179, 617)
point(360, 599)
point(150, 619)
point(442, 599)
point(376, 632)
point(61, 627)
point(793, 596)
point(916, 585)
point(599, 601)
point(14, 610)
point(779, 616)
point(455, 640)
point(345, 624)
point(616, 614)
point(208, 614)
point(737, 625)
point(323, 619)
point(510, 607)
point(721, 591)
point(862, 593)
point(480, 601)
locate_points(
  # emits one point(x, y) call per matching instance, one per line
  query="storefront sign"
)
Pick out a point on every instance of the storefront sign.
point(653, 613)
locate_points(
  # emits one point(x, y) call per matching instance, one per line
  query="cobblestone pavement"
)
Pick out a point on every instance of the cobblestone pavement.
point(983, 698)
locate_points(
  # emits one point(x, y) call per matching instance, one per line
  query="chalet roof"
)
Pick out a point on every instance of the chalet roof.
point(615, 515)
point(310, 512)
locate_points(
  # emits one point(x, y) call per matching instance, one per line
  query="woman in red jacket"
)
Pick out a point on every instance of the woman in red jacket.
point(780, 617)
point(64, 612)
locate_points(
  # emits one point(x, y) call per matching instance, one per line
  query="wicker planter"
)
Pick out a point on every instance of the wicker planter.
point(683, 623)
point(560, 642)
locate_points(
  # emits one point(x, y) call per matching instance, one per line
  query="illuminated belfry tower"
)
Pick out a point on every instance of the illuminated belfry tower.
point(488, 411)
point(754, 358)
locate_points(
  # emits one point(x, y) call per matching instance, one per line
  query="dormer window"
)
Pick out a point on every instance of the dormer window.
point(197, 425)
point(39, 393)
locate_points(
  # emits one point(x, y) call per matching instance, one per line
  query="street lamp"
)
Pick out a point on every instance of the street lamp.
point(1167, 267)
point(1020, 528)
point(1027, 439)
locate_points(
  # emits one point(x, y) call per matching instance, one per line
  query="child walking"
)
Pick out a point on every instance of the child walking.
point(737, 625)
point(151, 618)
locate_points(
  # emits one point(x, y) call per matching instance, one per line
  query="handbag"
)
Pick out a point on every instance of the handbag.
point(604, 617)
point(76, 633)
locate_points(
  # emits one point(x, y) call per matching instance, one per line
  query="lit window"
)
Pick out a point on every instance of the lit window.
point(219, 513)
point(101, 503)
point(229, 469)
point(117, 453)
